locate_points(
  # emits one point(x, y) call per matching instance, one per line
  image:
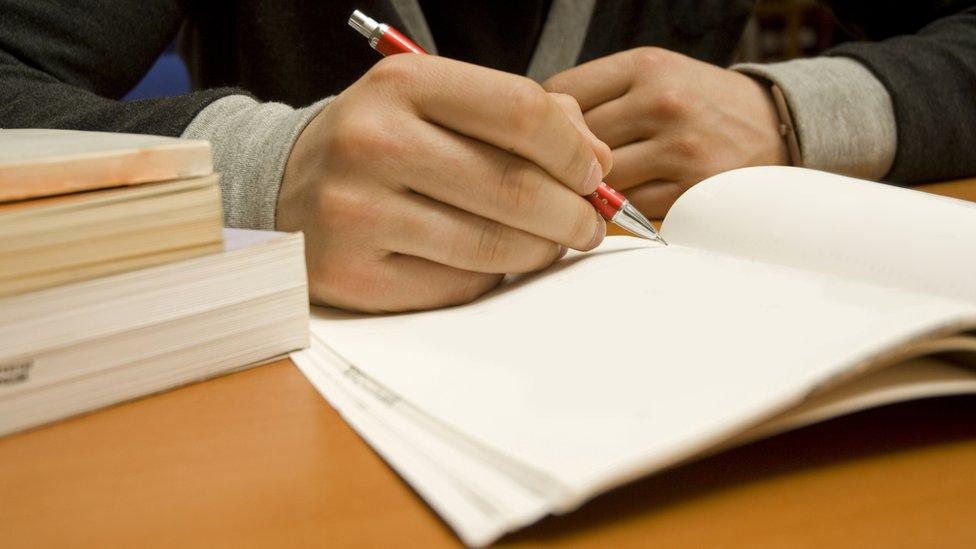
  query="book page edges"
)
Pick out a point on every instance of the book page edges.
point(201, 374)
point(235, 242)
point(949, 383)
point(77, 273)
point(777, 419)
point(923, 377)
point(173, 221)
point(104, 169)
point(54, 204)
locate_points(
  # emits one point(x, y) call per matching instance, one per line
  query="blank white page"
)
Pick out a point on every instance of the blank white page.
point(833, 224)
point(702, 345)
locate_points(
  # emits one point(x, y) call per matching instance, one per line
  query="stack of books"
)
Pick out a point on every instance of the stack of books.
point(117, 279)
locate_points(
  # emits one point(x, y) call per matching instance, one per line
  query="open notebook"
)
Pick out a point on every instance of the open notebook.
point(786, 296)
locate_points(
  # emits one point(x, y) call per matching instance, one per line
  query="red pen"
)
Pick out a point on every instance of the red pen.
point(613, 206)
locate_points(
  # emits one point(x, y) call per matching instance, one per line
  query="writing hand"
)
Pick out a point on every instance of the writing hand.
point(428, 179)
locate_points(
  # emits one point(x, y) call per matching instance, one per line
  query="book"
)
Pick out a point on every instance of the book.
point(785, 297)
point(75, 205)
point(55, 240)
point(82, 346)
point(44, 162)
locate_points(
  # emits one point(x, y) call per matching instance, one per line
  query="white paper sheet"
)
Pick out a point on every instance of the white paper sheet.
point(527, 371)
point(832, 224)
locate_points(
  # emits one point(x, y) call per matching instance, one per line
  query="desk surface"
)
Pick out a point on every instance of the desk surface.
point(259, 459)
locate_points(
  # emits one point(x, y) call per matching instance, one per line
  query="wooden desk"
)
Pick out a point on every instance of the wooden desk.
point(259, 459)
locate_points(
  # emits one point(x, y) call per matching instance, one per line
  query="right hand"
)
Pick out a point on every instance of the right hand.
point(428, 179)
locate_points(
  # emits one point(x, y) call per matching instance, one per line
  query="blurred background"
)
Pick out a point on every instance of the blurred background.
point(779, 30)
point(787, 29)
point(168, 76)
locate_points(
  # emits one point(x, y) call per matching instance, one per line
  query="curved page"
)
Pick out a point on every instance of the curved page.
point(833, 224)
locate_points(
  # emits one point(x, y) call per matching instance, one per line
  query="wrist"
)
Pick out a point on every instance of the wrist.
point(251, 142)
point(787, 130)
point(776, 126)
point(841, 113)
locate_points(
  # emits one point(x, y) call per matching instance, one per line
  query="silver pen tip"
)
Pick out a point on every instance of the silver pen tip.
point(634, 222)
point(364, 24)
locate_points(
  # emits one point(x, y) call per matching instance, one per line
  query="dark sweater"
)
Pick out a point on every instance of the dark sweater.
point(64, 63)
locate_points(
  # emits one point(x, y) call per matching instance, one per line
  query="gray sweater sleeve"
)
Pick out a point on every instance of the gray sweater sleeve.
point(842, 115)
point(251, 144)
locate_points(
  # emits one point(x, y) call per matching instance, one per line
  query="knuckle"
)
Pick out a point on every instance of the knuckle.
point(547, 255)
point(369, 138)
point(348, 284)
point(343, 207)
point(529, 109)
point(567, 102)
point(490, 247)
point(649, 59)
point(347, 279)
point(332, 203)
point(399, 70)
point(689, 147)
point(410, 227)
point(555, 83)
point(472, 286)
point(518, 190)
point(671, 103)
point(582, 228)
point(577, 165)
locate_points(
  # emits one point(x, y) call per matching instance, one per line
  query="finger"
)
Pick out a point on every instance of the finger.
point(595, 82)
point(414, 283)
point(655, 198)
point(510, 112)
point(644, 161)
point(572, 110)
point(619, 122)
point(478, 178)
point(444, 234)
point(396, 283)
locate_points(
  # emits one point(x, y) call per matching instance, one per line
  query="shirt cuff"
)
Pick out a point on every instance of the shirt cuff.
point(251, 144)
point(842, 114)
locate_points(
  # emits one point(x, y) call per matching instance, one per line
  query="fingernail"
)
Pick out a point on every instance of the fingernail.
point(594, 178)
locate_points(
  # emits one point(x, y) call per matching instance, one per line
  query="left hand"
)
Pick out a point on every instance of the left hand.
point(672, 121)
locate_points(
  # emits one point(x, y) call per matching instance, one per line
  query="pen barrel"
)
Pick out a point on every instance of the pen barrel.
point(607, 201)
point(393, 42)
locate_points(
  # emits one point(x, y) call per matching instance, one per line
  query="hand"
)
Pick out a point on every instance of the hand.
point(672, 121)
point(428, 179)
